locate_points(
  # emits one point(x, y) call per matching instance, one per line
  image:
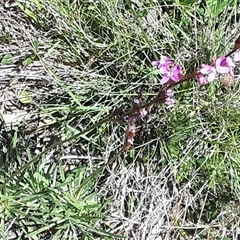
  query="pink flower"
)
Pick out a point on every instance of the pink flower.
point(169, 97)
point(169, 101)
point(224, 65)
point(208, 70)
point(172, 74)
point(163, 64)
point(163, 61)
point(169, 93)
point(201, 79)
point(143, 112)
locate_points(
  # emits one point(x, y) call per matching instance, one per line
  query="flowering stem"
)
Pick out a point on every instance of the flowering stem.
point(118, 116)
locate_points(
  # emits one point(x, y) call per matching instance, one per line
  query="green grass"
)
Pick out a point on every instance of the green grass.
point(78, 62)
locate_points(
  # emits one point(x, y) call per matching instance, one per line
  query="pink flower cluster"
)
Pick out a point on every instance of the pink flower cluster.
point(172, 76)
point(168, 69)
point(222, 65)
point(171, 73)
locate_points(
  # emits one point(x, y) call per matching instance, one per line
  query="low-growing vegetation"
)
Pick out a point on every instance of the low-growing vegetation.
point(94, 144)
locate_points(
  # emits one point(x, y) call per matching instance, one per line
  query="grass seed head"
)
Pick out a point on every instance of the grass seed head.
point(227, 80)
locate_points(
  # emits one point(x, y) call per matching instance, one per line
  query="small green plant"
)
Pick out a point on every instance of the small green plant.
point(59, 205)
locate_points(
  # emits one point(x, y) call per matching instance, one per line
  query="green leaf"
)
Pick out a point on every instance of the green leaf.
point(6, 37)
point(36, 44)
point(215, 7)
point(35, 233)
point(186, 2)
point(28, 12)
point(6, 59)
point(28, 60)
point(38, 4)
point(25, 97)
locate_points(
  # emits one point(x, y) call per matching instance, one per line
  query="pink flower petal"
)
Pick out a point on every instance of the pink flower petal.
point(175, 73)
point(176, 68)
point(230, 62)
point(221, 61)
point(211, 76)
point(169, 93)
point(164, 69)
point(223, 69)
point(156, 63)
point(175, 77)
point(165, 79)
point(143, 112)
point(165, 60)
point(169, 101)
point(236, 56)
point(202, 80)
point(206, 69)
